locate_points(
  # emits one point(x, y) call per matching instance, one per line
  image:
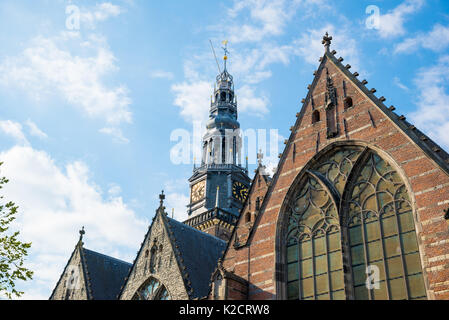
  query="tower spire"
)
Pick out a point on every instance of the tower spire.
point(220, 185)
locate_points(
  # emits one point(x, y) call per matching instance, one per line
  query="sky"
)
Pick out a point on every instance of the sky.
point(95, 95)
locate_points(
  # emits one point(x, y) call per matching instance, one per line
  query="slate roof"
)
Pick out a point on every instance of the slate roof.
point(106, 275)
point(199, 253)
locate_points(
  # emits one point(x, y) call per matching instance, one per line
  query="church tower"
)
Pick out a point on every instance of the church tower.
point(219, 186)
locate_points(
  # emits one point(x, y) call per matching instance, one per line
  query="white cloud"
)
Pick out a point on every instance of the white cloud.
point(46, 67)
point(248, 23)
point(35, 131)
point(178, 203)
point(100, 13)
point(14, 130)
point(250, 102)
point(161, 74)
point(436, 40)
point(266, 18)
point(114, 190)
point(398, 83)
point(194, 99)
point(391, 24)
point(310, 46)
point(271, 168)
point(116, 134)
point(432, 115)
point(54, 203)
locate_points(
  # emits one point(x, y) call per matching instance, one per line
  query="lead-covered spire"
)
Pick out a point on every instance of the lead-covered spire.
point(221, 143)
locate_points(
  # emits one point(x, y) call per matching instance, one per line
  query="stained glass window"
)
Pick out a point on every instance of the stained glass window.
point(152, 289)
point(378, 232)
point(382, 234)
point(337, 166)
point(314, 258)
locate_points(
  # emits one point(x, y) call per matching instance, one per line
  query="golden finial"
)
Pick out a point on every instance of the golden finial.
point(225, 49)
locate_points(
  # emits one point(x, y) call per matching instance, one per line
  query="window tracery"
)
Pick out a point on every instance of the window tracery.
point(352, 204)
point(152, 289)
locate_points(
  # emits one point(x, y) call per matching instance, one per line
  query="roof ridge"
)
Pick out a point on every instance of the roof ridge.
point(202, 233)
point(86, 272)
point(178, 255)
point(187, 254)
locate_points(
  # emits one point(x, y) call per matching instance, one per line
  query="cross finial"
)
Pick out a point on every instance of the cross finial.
point(260, 157)
point(162, 198)
point(82, 233)
point(327, 41)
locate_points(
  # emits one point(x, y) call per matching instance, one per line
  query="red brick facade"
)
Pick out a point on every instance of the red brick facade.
point(254, 252)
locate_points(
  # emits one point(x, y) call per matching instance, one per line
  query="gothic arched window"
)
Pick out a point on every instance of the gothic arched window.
point(314, 258)
point(381, 234)
point(152, 289)
point(349, 231)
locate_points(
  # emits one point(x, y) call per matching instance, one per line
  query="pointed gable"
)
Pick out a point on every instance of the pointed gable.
point(252, 205)
point(90, 275)
point(340, 110)
point(155, 259)
point(184, 259)
point(72, 283)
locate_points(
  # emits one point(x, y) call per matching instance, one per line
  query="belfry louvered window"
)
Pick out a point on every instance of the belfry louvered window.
point(350, 232)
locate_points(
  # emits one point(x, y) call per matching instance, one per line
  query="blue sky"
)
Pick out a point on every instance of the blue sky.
point(87, 114)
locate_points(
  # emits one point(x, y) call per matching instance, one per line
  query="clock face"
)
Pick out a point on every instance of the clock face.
point(239, 191)
point(198, 191)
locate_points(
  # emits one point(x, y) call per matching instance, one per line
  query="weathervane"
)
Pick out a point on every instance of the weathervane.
point(226, 52)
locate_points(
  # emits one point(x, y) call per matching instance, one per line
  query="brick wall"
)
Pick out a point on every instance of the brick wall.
point(368, 122)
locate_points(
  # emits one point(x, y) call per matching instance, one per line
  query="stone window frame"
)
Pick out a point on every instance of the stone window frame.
point(280, 277)
point(157, 294)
